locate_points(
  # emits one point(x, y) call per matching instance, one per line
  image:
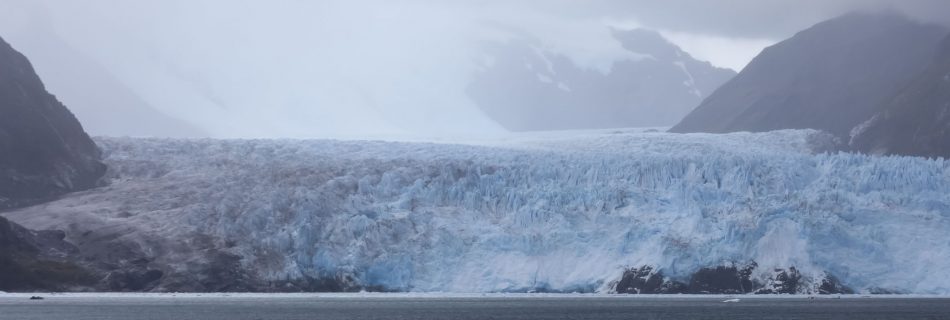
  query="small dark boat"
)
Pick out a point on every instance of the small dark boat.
point(36, 298)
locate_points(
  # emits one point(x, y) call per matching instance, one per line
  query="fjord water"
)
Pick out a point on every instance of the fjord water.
point(399, 307)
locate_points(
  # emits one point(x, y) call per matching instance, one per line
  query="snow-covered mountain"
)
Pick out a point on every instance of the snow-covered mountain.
point(525, 86)
point(608, 211)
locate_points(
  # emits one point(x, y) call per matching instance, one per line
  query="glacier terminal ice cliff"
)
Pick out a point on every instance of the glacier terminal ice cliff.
point(586, 211)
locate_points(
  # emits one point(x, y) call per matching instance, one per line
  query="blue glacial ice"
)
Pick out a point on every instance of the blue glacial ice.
point(552, 211)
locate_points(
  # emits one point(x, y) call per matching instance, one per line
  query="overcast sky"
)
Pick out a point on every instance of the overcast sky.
point(286, 68)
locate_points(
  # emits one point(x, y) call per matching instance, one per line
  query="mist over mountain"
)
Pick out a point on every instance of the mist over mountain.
point(524, 86)
point(831, 77)
point(306, 69)
point(96, 96)
point(91, 91)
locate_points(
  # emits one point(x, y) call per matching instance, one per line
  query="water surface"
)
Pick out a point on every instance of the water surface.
point(400, 307)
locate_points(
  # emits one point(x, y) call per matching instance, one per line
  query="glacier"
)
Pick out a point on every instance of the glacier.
point(554, 211)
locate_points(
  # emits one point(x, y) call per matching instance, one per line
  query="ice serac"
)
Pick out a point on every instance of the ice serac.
point(44, 151)
point(830, 77)
point(526, 86)
point(915, 121)
point(557, 212)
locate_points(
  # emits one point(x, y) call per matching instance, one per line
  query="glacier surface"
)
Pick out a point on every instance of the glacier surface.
point(543, 211)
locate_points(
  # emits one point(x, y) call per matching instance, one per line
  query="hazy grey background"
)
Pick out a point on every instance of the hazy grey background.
point(285, 68)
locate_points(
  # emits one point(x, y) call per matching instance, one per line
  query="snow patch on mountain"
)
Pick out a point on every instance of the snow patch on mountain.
point(690, 82)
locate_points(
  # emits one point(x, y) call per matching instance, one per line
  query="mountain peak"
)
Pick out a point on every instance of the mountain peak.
point(44, 151)
point(829, 77)
point(646, 41)
point(526, 88)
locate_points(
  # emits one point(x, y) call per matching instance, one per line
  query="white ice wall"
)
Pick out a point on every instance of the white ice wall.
point(562, 212)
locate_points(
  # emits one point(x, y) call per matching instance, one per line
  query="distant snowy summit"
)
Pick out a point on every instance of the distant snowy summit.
point(526, 86)
point(832, 77)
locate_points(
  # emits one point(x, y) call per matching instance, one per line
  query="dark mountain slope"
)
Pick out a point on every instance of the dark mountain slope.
point(98, 98)
point(92, 92)
point(44, 151)
point(831, 76)
point(916, 121)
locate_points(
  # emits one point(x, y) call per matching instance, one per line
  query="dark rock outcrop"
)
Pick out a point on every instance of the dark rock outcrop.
point(722, 280)
point(39, 261)
point(831, 285)
point(830, 77)
point(916, 120)
point(646, 280)
point(44, 151)
point(726, 279)
point(525, 87)
point(782, 281)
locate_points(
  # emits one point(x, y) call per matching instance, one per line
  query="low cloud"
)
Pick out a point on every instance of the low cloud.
point(287, 68)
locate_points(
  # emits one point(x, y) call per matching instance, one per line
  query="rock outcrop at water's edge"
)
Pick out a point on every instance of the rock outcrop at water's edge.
point(727, 279)
point(39, 261)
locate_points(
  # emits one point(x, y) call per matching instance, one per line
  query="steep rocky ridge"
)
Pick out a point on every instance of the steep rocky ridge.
point(916, 120)
point(44, 151)
point(831, 77)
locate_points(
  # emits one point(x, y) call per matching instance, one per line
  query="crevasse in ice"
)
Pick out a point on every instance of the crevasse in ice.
point(551, 211)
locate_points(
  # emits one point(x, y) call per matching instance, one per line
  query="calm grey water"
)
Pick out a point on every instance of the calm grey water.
point(469, 308)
